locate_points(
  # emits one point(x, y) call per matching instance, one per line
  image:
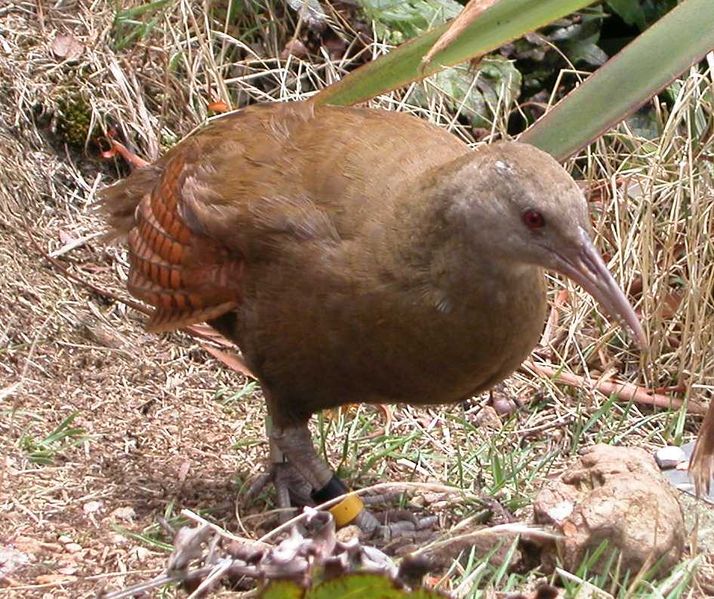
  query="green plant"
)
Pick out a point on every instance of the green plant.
point(680, 38)
point(641, 13)
point(136, 23)
point(43, 451)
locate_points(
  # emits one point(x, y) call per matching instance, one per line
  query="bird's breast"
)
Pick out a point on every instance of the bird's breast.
point(322, 347)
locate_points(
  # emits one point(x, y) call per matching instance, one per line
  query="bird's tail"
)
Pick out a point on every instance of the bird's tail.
point(118, 203)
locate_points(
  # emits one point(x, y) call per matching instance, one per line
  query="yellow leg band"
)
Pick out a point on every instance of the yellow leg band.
point(347, 510)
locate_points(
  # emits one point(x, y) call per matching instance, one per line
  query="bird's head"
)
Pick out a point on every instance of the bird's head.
point(522, 206)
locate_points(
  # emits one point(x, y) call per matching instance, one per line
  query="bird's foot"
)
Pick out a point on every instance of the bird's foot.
point(291, 489)
point(395, 524)
point(317, 485)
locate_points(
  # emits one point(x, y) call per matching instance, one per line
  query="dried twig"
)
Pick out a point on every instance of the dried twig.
point(623, 391)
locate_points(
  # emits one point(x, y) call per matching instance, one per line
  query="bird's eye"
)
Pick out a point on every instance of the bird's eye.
point(533, 219)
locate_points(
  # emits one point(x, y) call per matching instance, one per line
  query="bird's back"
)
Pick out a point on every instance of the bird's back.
point(234, 191)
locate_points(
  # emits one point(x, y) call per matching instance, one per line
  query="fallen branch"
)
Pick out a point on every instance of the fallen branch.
point(554, 317)
point(621, 390)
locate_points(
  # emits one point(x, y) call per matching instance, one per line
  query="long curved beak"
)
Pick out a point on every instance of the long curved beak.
point(587, 268)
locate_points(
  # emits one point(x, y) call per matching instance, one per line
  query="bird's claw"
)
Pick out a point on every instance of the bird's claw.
point(291, 489)
point(410, 527)
point(396, 524)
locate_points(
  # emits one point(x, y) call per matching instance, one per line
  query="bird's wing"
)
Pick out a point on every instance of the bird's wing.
point(214, 202)
point(187, 277)
point(271, 180)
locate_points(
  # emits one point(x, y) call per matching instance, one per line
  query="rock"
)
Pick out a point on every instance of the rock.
point(126, 514)
point(92, 506)
point(501, 401)
point(12, 559)
point(669, 456)
point(488, 418)
point(346, 534)
point(682, 478)
point(142, 554)
point(615, 494)
point(73, 548)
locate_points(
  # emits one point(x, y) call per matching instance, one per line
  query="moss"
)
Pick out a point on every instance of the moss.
point(74, 118)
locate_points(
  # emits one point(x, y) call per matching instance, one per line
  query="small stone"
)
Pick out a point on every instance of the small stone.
point(92, 506)
point(294, 48)
point(141, 553)
point(346, 534)
point(488, 418)
point(67, 47)
point(68, 570)
point(669, 456)
point(117, 539)
point(64, 539)
point(501, 401)
point(72, 547)
point(123, 513)
point(11, 559)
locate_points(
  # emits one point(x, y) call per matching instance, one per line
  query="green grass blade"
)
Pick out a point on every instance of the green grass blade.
point(623, 84)
point(500, 24)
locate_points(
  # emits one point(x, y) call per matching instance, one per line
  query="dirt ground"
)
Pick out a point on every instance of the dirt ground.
point(152, 433)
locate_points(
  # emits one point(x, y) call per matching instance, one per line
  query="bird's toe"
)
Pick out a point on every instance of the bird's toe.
point(291, 489)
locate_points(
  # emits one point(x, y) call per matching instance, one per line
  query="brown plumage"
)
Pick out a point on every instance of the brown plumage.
point(355, 255)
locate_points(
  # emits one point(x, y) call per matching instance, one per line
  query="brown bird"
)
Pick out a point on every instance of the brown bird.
point(355, 255)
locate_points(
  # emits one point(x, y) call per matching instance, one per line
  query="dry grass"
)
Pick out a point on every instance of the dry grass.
point(157, 416)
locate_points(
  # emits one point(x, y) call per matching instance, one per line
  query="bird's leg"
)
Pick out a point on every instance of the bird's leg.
point(291, 489)
point(295, 444)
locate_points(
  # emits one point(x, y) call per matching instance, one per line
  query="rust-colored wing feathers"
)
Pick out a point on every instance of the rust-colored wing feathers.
point(186, 276)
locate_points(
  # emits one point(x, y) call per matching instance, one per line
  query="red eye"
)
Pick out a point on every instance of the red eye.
point(533, 219)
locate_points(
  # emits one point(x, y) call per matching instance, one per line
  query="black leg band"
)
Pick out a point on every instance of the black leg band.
point(334, 488)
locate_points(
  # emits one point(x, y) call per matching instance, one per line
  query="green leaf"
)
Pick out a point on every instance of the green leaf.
point(473, 94)
point(43, 451)
point(354, 586)
point(396, 20)
point(282, 589)
point(136, 23)
point(502, 23)
point(638, 72)
point(586, 51)
point(630, 11)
